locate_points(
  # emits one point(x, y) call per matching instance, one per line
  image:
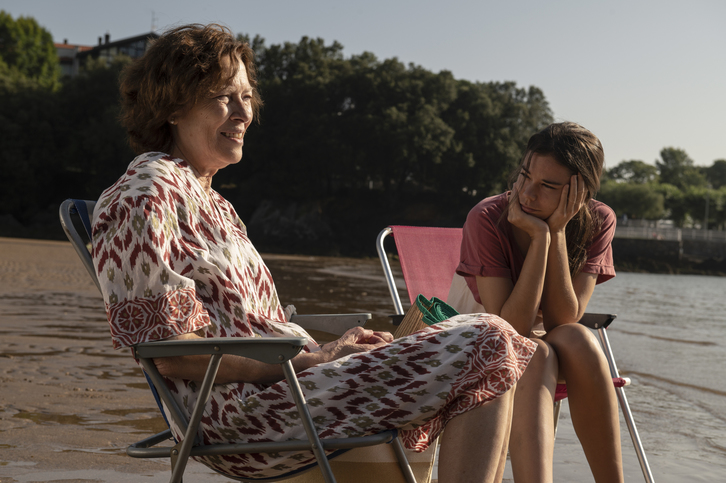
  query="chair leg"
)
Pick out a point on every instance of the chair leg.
point(174, 456)
point(556, 416)
point(403, 461)
point(308, 423)
point(185, 446)
point(628, 415)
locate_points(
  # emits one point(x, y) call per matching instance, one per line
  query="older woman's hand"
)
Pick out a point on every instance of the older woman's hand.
point(354, 340)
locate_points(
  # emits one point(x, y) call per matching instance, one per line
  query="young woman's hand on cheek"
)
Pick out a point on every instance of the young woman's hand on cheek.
point(571, 201)
point(530, 224)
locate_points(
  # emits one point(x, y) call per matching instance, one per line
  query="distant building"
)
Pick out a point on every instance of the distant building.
point(68, 57)
point(74, 57)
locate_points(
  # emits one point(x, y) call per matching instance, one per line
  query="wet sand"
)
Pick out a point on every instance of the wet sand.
point(70, 404)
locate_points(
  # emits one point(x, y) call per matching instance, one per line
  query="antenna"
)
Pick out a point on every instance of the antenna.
point(154, 19)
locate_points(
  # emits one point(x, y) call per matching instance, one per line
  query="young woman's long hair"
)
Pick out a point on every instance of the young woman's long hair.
point(581, 152)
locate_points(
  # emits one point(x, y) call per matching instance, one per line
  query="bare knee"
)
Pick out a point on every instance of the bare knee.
point(542, 368)
point(577, 348)
point(545, 356)
point(573, 339)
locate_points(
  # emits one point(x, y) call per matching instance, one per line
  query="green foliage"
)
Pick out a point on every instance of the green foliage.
point(28, 151)
point(642, 191)
point(27, 50)
point(717, 207)
point(637, 200)
point(95, 151)
point(633, 171)
point(716, 173)
point(61, 143)
point(673, 200)
point(676, 167)
point(492, 123)
point(340, 126)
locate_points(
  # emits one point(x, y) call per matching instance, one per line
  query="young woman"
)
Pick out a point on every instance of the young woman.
point(533, 256)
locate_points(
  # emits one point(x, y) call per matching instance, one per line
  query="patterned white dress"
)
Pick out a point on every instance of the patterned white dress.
point(172, 260)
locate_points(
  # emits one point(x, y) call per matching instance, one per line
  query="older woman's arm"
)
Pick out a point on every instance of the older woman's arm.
point(242, 369)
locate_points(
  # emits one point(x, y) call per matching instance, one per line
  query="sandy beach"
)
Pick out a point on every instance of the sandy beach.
point(70, 404)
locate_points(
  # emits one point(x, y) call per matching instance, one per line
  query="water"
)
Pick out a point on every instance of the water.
point(670, 338)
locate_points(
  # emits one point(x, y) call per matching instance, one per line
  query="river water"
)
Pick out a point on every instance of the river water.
point(670, 338)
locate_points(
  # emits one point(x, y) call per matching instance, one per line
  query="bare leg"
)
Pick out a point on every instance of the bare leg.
point(505, 445)
point(473, 443)
point(592, 399)
point(532, 441)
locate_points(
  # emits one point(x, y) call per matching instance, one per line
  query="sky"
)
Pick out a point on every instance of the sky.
point(642, 75)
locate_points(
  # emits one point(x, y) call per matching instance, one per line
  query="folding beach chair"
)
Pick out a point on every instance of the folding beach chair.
point(429, 257)
point(75, 217)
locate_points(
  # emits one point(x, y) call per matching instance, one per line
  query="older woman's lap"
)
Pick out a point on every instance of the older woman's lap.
point(415, 384)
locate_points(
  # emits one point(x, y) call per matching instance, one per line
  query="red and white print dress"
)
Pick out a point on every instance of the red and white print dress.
point(172, 260)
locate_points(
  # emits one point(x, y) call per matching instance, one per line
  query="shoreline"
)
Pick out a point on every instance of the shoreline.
point(631, 264)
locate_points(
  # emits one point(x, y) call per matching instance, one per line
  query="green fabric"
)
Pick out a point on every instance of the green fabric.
point(434, 310)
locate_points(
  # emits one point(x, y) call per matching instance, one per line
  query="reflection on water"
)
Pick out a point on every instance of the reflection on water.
point(152, 422)
point(40, 418)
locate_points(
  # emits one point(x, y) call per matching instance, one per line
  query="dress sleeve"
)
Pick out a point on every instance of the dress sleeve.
point(600, 254)
point(144, 272)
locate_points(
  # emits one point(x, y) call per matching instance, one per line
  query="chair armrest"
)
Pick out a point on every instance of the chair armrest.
point(597, 321)
point(273, 350)
point(332, 323)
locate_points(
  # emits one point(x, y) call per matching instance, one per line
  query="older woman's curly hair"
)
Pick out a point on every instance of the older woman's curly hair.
point(180, 68)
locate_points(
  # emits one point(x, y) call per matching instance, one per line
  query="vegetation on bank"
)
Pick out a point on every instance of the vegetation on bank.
point(344, 146)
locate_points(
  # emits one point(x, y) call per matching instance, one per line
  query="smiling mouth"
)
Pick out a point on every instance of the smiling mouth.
point(234, 135)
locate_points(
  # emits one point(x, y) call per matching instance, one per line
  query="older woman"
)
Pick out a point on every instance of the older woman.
point(175, 262)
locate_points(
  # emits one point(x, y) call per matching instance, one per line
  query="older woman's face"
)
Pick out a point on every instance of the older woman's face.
point(210, 135)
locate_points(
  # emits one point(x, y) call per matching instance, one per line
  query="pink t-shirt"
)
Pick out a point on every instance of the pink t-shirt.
point(488, 248)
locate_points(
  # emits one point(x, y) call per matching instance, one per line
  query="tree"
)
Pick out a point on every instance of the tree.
point(673, 200)
point(394, 124)
point(53, 141)
point(492, 123)
point(716, 173)
point(633, 171)
point(29, 146)
point(28, 49)
point(695, 200)
point(94, 148)
point(298, 137)
point(677, 169)
point(639, 201)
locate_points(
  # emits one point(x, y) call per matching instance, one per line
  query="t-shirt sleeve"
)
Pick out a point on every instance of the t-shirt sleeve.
point(600, 254)
point(482, 251)
point(148, 288)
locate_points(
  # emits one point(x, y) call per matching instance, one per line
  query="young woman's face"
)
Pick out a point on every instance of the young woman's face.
point(540, 185)
point(210, 135)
